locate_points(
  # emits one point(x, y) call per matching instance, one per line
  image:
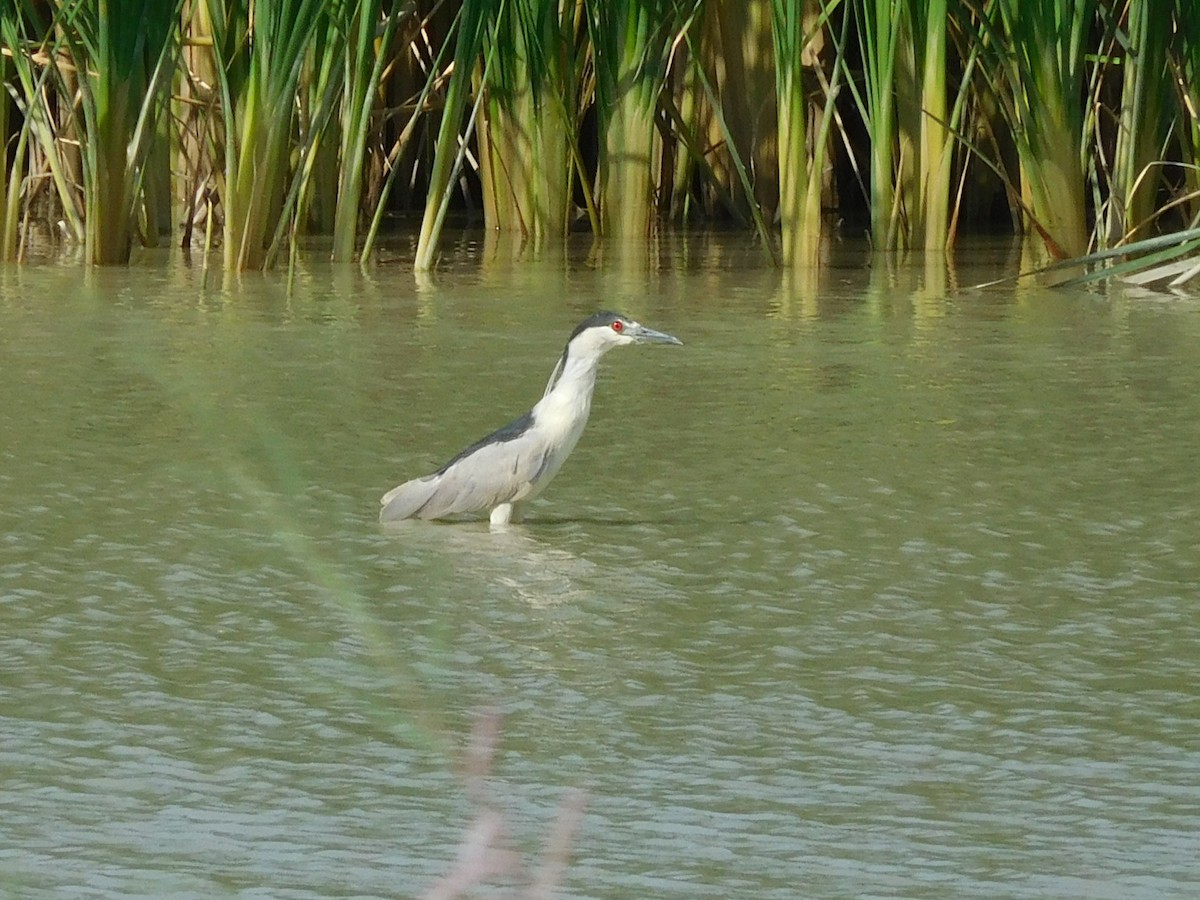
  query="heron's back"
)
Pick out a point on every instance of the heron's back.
point(506, 467)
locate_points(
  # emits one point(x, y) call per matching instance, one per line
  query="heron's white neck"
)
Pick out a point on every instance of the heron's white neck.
point(570, 390)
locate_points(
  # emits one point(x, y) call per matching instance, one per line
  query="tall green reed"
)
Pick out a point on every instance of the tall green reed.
point(5, 67)
point(1142, 123)
point(1034, 57)
point(365, 59)
point(1185, 76)
point(472, 23)
point(126, 55)
point(933, 144)
point(528, 152)
point(39, 157)
point(796, 24)
point(427, 66)
point(260, 48)
point(630, 43)
point(5, 72)
point(881, 27)
point(911, 115)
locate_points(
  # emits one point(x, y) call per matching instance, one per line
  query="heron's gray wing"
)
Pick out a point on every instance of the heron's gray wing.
point(493, 473)
point(497, 469)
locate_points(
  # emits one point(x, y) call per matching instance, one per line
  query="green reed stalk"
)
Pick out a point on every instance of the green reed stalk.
point(801, 229)
point(126, 53)
point(926, 122)
point(1185, 70)
point(311, 189)
point(434, 71)
point(472, 23)
point(364, 65)
point(906, 105)
point(1035, 59)
point(794, 25)
point(30, 37)
point(260, 47)
point(935, 152)
point(526, 132)
point(156, 205)
point(1142, 126)
point(5, 12)
point(882, 25)
point(339, 91)
point(628, 53)
point(319, 92)
point(687, 110)
point(10, 178)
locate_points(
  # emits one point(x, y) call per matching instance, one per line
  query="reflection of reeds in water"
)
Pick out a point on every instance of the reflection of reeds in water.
point(486, 852)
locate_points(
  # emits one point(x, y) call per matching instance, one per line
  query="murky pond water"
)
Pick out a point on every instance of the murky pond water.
point(877, 586)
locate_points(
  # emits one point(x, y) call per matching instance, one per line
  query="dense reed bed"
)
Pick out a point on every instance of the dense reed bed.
point(249, 124)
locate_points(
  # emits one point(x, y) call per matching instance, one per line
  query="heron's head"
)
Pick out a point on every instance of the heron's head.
point(598, 334)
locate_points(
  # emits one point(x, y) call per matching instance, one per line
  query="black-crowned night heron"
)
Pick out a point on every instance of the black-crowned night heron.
point(511, 466)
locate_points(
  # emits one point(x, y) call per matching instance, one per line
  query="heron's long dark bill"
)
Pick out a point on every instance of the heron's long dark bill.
point(646, 335)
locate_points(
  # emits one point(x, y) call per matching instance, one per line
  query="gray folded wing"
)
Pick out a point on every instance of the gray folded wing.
point(482, 477)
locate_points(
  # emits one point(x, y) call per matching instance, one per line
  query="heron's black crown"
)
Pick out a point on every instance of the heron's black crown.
point(599, 320)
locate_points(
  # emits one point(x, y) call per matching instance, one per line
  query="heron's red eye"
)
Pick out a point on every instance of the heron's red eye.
point(618, 326)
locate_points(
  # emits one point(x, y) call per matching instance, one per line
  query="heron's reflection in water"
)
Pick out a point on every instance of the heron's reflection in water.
point(510, 557)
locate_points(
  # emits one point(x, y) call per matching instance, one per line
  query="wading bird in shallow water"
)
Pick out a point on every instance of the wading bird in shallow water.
point(508, 468)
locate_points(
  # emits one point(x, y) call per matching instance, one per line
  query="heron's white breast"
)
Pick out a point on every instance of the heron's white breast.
point(560, 416)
